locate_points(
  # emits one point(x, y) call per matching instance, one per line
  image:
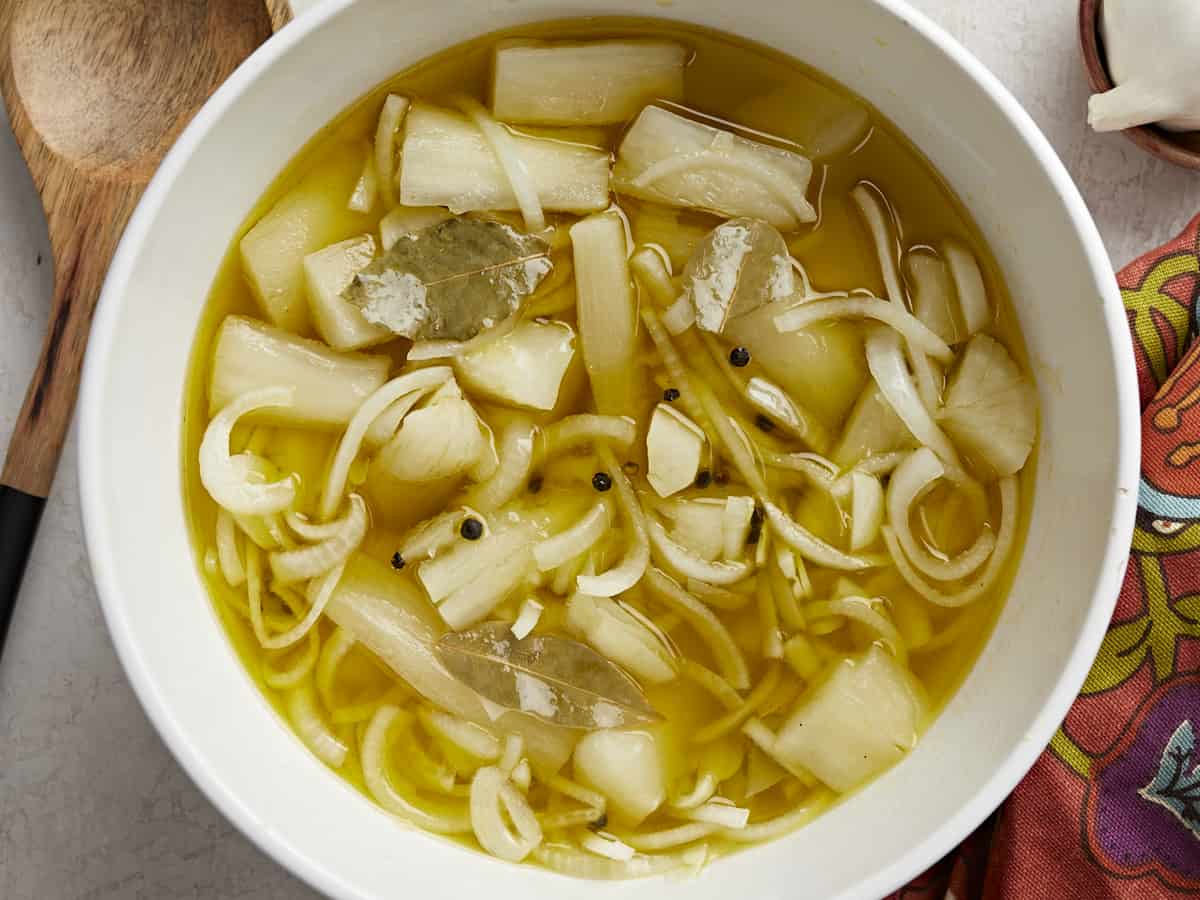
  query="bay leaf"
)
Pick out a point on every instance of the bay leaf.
point(740, 265)
point(451, 280)
point(556, 679)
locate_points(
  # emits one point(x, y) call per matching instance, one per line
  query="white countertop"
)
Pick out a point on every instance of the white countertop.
point(91, 804)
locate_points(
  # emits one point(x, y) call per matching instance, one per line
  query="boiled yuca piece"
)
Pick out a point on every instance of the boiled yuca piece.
point(524, 368)
point(327, 273)
point(446, 161)
point(863, 718)
point(679, 161)
point(391, 618)
point(595, 83)
point(310, 216)
point(328, 386)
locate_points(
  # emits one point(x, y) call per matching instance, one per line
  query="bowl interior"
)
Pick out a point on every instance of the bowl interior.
point(223, 731)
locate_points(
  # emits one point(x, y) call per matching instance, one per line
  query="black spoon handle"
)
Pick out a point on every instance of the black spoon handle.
point(19, 517)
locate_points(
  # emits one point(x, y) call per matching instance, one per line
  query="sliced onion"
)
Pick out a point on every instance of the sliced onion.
point(722, 691)
point(866, 510)
point(320, 592)
point(286, 679)
point(336, 649)
point(812, 806)
point(527, 618)
point(451, 818)
point(878, 216)
point(310, 531)
point(968, 284)
point(578, 539)
point(390, 116)
point(716, 597)
point(805, 315)
point(228, 557)
point(603, 844)
point(679, 316)
point(514, 748)
point(885, 358)
point(387, 423)
point(768, 620)
point(667, 838)
point(568, 860)
point(575, 431)
point(228, 479)
point(735, 717)
point(862, 609)
point(812, 547)
point(516, 463)
point(724, 649)
point(687, 564)
point(317, 736)
point(719, 812)
point(929, 380)
point(504, 146)
point(466, 736)
point(632, 567)
point(568, 788)
point(766, 174)
point(290, 566)
point(978, 586)
point(706, 785)
point(821, 472)
point(908, 483)
point(423, 380)
point(492, 796)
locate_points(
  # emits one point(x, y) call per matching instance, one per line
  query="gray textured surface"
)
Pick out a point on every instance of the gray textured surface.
point(91, 804)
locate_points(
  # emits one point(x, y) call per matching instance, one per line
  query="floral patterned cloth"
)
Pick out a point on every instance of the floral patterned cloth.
point(1111, 810)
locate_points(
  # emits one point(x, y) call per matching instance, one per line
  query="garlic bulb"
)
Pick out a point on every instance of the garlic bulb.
point(1153, 61)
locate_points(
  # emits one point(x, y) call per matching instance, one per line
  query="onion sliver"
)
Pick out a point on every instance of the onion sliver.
point(633, 564)
point(716, 597)
point(968, 283)
point(915, 332)
point(504, 146)
point(812, 547)
point(722, 814)
point(606, 845)
point(289, 566)
point(724, 649)
point(348, 447)
point(673, 363)
point(394, 109)
point(878, 216)
point(228, 557)
point(647, 842)
point(228, 479)
point(885, 359)
point(816, 468)
point(286, 679)
point(757, 832)
point(721, 690)
point(910, 480)
point(866, 510)
point(862, 609)
point(527, 618)
point(320, 592)
point(689, 565)
point(492, 796)
point(579, 538)
point(768, 175)
point(706, 785)
point(573, 431)
point(516, 462)
point(466, 736)
point(306, 719)
point(979, 585)
point(452, 819)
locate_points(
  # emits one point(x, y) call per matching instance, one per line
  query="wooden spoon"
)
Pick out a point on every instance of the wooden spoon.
point(97, 91)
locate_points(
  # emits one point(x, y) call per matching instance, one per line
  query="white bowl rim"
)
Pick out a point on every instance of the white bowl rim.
point(936, 844)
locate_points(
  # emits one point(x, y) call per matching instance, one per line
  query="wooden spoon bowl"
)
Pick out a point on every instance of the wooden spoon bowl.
point(1179, 149)
point(97, 91)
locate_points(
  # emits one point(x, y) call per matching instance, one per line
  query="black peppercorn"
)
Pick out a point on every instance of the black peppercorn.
point(756, 523)
point(602, 481)
point(671, 395)
point(471, 529)
point(704, 478)
point(535, 484)
point(600, 822)
point(398, 562)
point(763, 423)
point(740, 357)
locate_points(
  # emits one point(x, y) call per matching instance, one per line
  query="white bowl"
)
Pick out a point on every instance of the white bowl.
point(232, 743)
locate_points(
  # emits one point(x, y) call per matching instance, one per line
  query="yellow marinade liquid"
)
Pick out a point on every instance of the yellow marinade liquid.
point(728, 79)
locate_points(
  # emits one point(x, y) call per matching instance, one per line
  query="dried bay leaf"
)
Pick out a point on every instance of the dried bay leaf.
point(556, 679)
point(741, 265)
point(452, 280)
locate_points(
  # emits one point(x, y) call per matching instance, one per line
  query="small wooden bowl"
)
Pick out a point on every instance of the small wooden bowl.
point(1182, 149)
